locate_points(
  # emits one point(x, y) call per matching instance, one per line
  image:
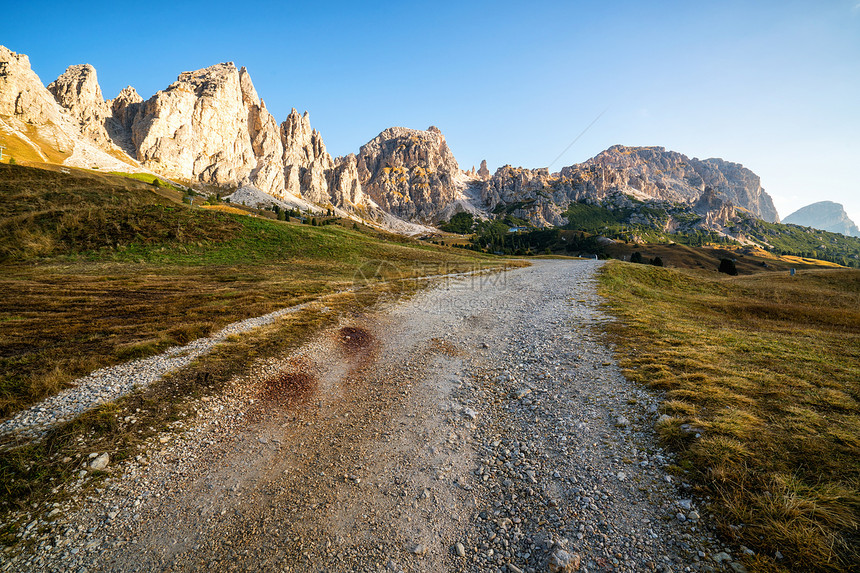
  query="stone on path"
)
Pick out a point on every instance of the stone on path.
point(101, 462)
point(563, 561)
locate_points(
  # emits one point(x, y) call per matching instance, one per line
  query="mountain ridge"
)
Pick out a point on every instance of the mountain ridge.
point(211, 127)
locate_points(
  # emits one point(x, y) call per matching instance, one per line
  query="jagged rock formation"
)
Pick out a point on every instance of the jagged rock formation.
point(714, 209)
point(483, 172)
point(344, 182)
point(123, 109)
point(23, 98)
point(672, 176)
point(197, 129)
point(642, 172)
point(825, 215)
point(211, 126)
point(78, 91)
point(409, 173)
point(48, 132)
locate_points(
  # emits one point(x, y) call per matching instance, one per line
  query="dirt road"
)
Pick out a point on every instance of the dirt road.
point(480, 425)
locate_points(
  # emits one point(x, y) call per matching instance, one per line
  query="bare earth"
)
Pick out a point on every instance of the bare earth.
point(481, 425)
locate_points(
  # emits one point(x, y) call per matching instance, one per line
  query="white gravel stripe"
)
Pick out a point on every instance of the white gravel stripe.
point(110, 383)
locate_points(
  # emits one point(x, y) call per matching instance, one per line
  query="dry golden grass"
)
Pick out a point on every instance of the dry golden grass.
point(226, 209)
point(767, 369)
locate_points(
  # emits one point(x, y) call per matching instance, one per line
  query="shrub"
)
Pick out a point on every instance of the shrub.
point(636, 257)
point(657, 262)
point(461, 223)
point(728, 266)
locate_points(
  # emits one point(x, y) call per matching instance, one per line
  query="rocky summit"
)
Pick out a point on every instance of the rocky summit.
point(410, 173)
point(644, 173)
point(825, 215)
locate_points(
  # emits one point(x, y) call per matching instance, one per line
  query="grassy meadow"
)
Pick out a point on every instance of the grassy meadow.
point(766, 369)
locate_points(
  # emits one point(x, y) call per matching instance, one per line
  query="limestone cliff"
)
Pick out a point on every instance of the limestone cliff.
point(409, 173)
point(211, 126)
point(197, 128)
point(43, 130)
point(645, 173)
point(672, 176)
point(78, 91)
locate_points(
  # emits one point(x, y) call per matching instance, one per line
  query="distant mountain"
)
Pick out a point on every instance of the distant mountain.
point(825, 215)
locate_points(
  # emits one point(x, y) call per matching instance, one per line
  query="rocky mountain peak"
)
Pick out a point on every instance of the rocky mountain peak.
point(409, 172)
point(78, 91)
point(825, 215)
point(128, 95)
point(669, 175)
point(26, 105)
point(22, 95)
point(222, 73)
point(249, 94)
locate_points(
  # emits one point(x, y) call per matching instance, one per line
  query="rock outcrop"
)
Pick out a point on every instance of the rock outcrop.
point(48, 131)
point(672, 176)
point(306, 161)
point(197, 128)
point(24, 102)
point(483, 172)
point(344, 185)
point(645, 173)
point(714, 209)
point(825, 215)
point(211, 126)
point(123, 109)
point(78, 91)
point(409, 173)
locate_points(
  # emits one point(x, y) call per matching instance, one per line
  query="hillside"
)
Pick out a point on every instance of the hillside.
point(100, 268)
point(620, 225)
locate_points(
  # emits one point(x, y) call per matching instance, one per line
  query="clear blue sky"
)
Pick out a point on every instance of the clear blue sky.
point(774, 85)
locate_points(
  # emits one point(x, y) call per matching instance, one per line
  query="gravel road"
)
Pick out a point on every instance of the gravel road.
point(481, 425)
